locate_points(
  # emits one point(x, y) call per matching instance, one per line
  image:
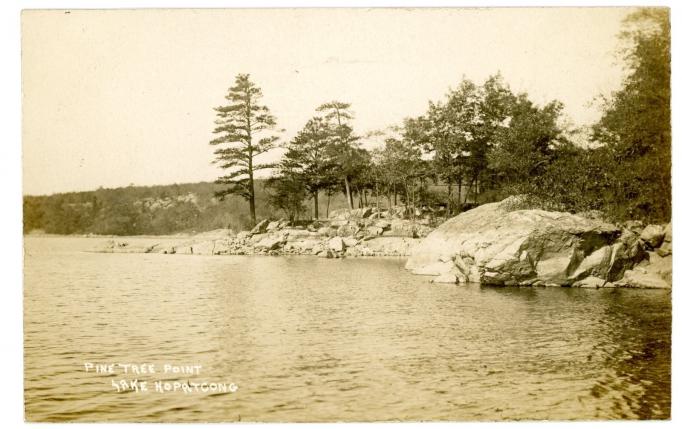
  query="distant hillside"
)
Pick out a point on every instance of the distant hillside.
point(136, 210)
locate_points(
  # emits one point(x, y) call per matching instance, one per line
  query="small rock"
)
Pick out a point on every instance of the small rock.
point(349, 241)
point(382, 224)
point(272, 226)
point(336, 244)
point(260, 227)
point(244, 235)
point(326, 254)
point(590, 282)
point(653, 235)
point(269, 243)
point(666, 249)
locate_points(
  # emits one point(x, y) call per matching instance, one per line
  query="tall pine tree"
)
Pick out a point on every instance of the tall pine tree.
point(308, 158)
point(344, 147)
point(245, 130)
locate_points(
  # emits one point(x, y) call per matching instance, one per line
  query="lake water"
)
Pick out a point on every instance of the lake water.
point(309, 339)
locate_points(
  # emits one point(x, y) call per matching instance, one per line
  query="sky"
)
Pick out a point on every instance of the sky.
point(119, 97)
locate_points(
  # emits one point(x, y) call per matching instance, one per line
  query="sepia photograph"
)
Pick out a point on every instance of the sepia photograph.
point(366, 214)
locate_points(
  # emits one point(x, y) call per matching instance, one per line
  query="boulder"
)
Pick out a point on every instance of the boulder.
point(325, 231)
point(326, 254)
point(336, 244)
point(362, 213)
point(271, 242)
point(348, 230)
point(667, 246)
point(349, 241)
point(244, 235)
point(595, 264)
point(661, 266)
point(653, 235)
point(505, 246)
point(590, 282)
point(272, 226)
point(666, 249)
point(634, 225)
point(260, 227)
point(374, 230)
point(297, 234)
point(382, 224)
point(304, 245)
point(640, 277)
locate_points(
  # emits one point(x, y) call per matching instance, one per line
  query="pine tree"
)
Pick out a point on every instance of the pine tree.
point(344, 147)
point(308, 158)
point(245, 130)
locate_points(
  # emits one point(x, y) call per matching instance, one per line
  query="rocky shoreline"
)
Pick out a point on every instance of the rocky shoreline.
point(497, 244)
point(493, 244)
point(359, 232)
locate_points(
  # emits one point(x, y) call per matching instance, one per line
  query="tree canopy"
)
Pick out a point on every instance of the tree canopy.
point(245, 131)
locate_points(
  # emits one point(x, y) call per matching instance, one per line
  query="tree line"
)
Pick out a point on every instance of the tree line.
point(145, 210)
point(481, 143)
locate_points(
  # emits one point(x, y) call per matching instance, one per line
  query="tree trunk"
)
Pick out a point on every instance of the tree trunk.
point(376, 195)
point(459, 193)
point(349, 196)
point(316, 205)
point(329, 199)
point(252, 196)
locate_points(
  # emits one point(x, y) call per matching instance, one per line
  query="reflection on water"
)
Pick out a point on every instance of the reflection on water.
point(310, 339)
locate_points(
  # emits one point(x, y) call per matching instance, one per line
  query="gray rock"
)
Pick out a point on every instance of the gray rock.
point(326, 254)
point(325, 231)
point(595, 264)
point(260, 227)
point(590, 282)
point(666, 249)
point(653, 235)
point(639, 277)
point(382, 224)
point(244, 235)
point(336, 244)
point(505, 246)
point(349, 241)
point(348, 230)
point(364, 212)
point(272, 226)
point(374, 230)
point(269, 243)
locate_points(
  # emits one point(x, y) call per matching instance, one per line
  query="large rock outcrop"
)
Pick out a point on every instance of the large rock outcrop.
point(496, 244)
